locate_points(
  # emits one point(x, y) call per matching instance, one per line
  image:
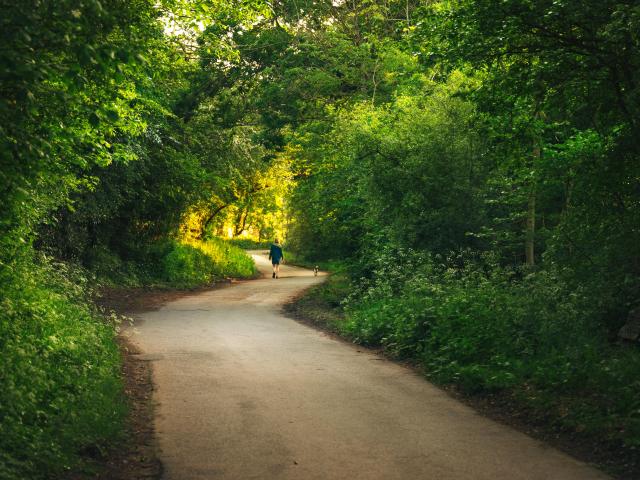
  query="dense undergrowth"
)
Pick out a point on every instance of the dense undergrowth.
point(296, 258)
point(489, 329)
point(250, 244)
point(431, 127)
point(61, 393)
point(173, 264)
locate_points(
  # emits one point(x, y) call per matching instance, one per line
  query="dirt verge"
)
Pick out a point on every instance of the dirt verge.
point(134, 300)
point(135, 457)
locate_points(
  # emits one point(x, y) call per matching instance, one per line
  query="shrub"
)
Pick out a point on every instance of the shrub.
point(489, 328)
point(230, 260)
point(249, 244)
point(114, 271)
point(187, 266)
point(196, 262)
point(170, 263)
point(60, 382)
point(295, 258)
point(60, 387)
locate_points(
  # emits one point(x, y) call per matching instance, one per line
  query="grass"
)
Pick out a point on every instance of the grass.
point(249, 244)
point(195, 263)
point(321, 305)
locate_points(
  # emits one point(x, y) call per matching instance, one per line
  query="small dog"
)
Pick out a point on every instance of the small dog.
point(315, 270)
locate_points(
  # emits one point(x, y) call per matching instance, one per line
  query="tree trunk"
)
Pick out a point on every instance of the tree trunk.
point(407, 13)
point(242, 221)
point(530, 233)
point(210, 218)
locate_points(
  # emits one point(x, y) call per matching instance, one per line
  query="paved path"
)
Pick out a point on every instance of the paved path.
point(246, 393)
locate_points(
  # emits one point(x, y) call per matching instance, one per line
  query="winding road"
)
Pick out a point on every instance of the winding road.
point(244, 392)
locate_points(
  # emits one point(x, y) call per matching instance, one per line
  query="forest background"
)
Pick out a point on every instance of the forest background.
point(472, 165)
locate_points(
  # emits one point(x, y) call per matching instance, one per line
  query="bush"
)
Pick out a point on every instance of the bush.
point(187, 266)
point(201, 262)
point(114, 271)
point(169, 263)
point(60, 383)
point(60, 386)
point(249, 244)
point(490, 328)
point(295, 258)
point(230, 260)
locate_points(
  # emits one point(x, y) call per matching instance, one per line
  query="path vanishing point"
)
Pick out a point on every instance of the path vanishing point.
point(242, 392)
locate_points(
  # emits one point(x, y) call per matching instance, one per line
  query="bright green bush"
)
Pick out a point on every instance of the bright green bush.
point(296, 258)
point(187, 266)
point(248, 244)
point(60, 387)
point(170, 263)
point(230, 260)
point(201, 262)
point(60, 384)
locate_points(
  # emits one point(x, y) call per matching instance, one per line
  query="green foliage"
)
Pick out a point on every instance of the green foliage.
point(557, 75)
point(94, 167)
point(304, 260)
point(170, 263)
point(249, 244)
point(186, 265)
point(69, 76)
point(577, 58)
point(111, 270)
point(408, 169)
point(387, 134)
point(489, 328)
point(197, 263)
point(60, 388)
point(321, 304)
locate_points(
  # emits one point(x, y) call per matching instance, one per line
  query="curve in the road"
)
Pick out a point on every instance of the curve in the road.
point(244, 392)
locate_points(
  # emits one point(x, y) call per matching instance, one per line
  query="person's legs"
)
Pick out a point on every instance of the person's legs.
point(277, 268)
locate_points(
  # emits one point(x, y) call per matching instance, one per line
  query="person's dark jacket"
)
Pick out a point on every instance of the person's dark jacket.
point(275, 254)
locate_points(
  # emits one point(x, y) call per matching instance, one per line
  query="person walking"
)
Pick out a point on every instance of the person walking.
point(276, 256)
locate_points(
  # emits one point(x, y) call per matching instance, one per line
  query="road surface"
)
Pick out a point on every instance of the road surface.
point(244, 392)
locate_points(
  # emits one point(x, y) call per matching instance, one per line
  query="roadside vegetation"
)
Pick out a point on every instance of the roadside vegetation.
point(100, 184)
point(489, 328)
point(482, 193)
point(300, 259)
point(519, 344)
point(172, 263)
point(62, 398)
point(472, 165)
point(250, 244)
point(61, 391)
